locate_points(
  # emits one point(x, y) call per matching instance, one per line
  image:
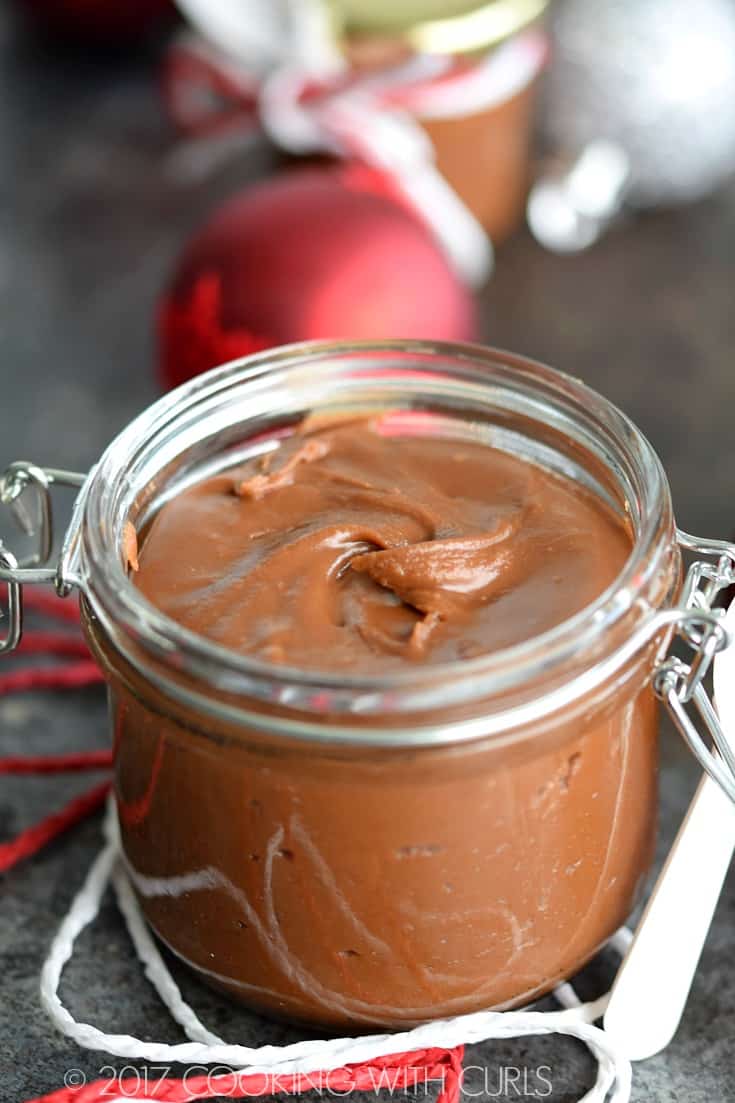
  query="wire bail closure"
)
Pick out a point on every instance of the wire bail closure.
point(680, 683)
point(26, 489)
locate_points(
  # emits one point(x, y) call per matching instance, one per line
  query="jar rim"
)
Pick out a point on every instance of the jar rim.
point(135, 625)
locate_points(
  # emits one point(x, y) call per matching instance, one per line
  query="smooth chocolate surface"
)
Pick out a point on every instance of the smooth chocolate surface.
point(369, 545)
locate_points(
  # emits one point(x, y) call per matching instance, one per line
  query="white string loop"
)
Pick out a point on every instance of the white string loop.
point(575, 1020)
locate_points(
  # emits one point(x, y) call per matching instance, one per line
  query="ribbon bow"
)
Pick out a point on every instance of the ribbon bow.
point(307, 101)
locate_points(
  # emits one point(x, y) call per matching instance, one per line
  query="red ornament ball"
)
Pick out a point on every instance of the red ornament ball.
point(314, 254)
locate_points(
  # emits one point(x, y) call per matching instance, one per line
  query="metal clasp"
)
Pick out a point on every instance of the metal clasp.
point(26, 488)
point(679, 682)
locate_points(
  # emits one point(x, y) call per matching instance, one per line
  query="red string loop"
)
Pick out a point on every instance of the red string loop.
point(81, 671)
point(35, 838)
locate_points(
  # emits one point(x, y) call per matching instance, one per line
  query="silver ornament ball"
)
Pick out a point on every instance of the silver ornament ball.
point(657, 77)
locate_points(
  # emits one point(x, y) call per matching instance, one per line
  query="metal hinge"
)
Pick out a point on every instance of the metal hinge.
point(26, 488)
point(678, 681)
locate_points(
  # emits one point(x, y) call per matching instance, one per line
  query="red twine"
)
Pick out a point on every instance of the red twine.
point(71, 676)
point(82, 671)
point(35, 838)
point(56, 763)
point(53, 643)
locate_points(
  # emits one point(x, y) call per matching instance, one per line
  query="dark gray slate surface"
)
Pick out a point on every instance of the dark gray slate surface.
point(95, 198)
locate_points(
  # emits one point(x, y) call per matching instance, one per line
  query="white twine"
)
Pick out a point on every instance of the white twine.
point(575, 1020)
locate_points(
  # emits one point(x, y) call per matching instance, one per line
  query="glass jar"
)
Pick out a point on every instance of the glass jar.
point(361, 851)
point(477, 107)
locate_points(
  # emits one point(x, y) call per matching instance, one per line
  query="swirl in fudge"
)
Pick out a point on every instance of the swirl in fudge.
point(349, 547)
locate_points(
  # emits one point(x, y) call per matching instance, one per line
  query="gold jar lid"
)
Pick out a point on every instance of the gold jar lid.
point(436, 26)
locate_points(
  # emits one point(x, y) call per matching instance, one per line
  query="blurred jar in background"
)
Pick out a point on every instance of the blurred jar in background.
point(476, 101)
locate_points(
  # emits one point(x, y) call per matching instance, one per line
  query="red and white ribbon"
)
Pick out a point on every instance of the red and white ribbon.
point(274, 65)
